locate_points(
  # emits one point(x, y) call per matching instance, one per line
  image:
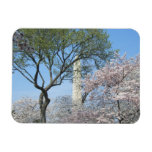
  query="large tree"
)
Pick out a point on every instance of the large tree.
point(117, 84)
point(56, 49)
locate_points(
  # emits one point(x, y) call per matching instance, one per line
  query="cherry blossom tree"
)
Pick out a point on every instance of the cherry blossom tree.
point(26, 111)
point(118, 83)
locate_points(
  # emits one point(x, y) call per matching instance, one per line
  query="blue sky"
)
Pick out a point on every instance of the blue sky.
point(127, 40)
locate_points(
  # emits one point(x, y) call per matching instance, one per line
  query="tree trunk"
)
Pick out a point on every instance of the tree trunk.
point(43, 102)
point(119, 112)
point(43, 115)
point(119, 119)
point(118, 103)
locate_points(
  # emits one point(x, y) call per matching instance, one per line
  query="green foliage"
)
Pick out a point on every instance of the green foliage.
point(57, 48)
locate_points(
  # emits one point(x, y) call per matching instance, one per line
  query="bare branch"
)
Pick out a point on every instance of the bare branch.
point(25, 71)
point(36, 76)
point(43, 82)
point(23, 74)
point(62, 70)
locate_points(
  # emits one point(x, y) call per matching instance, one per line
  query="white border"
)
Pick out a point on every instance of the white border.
point(75, 14)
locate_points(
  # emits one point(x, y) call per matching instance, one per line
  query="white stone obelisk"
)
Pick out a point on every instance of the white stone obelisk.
point(76, 92)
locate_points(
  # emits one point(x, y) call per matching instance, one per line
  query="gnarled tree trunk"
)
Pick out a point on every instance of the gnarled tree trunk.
point(43, 102)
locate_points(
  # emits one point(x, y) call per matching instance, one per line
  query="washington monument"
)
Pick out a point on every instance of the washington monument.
point(76, 92)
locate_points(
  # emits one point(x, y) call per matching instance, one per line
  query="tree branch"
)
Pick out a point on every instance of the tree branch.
point(43, 82)
point(23, 75)
point(61, 71)
point(25, 71)
point(36, 76)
